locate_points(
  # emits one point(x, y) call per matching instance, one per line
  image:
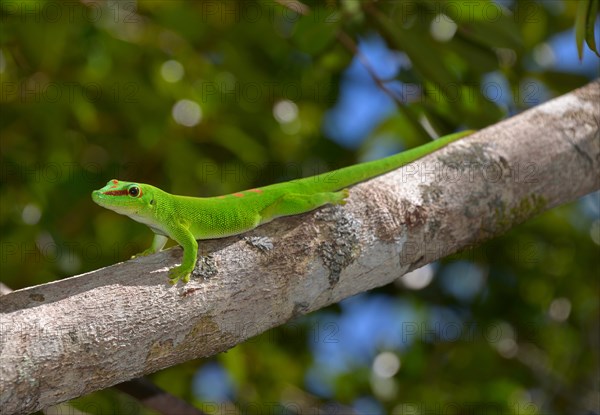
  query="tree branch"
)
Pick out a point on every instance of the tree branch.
point(124, 321)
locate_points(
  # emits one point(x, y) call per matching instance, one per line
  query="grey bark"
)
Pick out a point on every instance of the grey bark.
point(71, 337)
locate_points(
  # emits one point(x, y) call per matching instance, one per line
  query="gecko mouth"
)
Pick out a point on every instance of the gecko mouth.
point(115, 193)
point(102, 199)
point(96, 196)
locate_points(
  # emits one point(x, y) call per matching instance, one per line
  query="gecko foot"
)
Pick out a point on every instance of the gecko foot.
point(147, 252)
point(177, 274)
point(342, 195)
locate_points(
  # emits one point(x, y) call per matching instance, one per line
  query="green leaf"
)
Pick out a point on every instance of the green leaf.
point(561, 82)
point(312, 35)
point(464, 105)
point(502, 34)
point(591, 25)
point(398, 125)
point(480, 59)
point(580, 25)
point(486, 22)
point(419, 47)
point(239, 143)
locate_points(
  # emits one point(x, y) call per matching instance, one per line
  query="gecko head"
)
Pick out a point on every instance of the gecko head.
point(127, 198)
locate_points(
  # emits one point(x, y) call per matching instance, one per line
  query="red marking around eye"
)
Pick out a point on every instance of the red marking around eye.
point(255, 190)
point(116, 193)
point(238, 194)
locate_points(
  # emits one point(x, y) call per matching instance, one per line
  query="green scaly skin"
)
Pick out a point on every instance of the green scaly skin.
point(188, 219)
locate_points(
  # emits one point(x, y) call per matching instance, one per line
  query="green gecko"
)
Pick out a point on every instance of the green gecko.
point(187, 219)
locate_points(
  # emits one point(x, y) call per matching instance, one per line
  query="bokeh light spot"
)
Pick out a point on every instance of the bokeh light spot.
point(285, 111)
point(172, 71)
point(187, 113)
point(442, 28)
point(31, 214)
point(386, 365)
point(418, 279)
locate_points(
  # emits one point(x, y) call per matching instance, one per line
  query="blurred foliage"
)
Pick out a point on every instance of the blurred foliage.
point(585, 25)
point(207, 97)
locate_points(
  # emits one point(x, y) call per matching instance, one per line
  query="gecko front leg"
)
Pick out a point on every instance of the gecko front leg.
point(157, 244)
point(184, 237)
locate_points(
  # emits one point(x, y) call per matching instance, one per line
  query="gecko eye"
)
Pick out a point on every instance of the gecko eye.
point(134, 191)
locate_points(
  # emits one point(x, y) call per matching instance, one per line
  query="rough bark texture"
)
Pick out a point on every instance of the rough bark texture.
point(68, 338)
